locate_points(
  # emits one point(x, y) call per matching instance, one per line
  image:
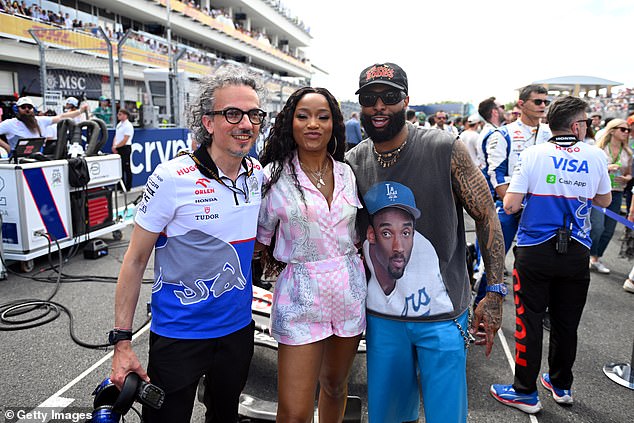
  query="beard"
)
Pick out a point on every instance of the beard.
point(30, 122)
point(397, 273)
point(394, 126)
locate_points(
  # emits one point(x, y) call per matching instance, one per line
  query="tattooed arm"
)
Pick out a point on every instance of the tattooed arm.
point(472, 190)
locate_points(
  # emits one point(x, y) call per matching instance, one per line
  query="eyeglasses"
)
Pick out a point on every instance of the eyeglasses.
point(625, 130)
point(588, 122)
point(234, 115)
point(539, 101)
point(517, 114)
point(441, 117)
point(389, 98)
point(26, 106)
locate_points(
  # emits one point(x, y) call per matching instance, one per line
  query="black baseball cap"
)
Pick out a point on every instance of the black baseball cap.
point(383, 73)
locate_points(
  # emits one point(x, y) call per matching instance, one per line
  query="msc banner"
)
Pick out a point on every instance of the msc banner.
point(70, 83)
point(151, 147)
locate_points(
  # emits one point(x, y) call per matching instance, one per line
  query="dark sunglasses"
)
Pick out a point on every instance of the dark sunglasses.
point(234, 115)
point(626, 130)
point(26, 106)
point(388, 98)
point(539, 101)
point(587, 121)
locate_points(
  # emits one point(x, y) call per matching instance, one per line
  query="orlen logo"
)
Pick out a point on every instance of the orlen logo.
point(203, 182)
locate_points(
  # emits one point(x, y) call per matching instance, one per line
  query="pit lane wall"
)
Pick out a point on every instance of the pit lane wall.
point(150, 147)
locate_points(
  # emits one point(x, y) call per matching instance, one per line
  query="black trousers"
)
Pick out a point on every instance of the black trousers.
point(176, 365)
point(126, 170)
point(543, 278)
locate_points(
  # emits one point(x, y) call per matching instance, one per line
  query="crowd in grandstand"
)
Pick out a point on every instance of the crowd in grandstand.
point(63, 17)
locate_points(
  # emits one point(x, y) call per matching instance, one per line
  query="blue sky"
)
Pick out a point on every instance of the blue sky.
point(465, 50)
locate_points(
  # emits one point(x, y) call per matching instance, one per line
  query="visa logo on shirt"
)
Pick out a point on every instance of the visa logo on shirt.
point(570, 165)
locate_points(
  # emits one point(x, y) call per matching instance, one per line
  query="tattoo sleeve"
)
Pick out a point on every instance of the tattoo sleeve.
point(473, 192)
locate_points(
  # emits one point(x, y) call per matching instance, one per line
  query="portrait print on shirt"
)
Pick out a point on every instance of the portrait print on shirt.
point(405, 278)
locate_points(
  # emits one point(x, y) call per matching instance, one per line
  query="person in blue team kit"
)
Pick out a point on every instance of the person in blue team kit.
point(555, 183)
point(198, 214)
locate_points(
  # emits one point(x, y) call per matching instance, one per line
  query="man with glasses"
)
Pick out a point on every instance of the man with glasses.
point(430, 340)
point(442, 123)
point(198, 214)
point(555, 183)
point(504, 146)
point(27, 125)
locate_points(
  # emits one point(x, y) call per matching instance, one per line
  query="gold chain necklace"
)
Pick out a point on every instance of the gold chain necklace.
point(388, 158)
point(317, 175)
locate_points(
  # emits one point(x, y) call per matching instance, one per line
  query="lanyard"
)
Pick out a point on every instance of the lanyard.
point(616, 159)
point(570, 140)
point(227, 182)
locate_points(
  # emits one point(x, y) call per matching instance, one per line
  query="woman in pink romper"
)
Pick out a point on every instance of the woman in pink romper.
point(310, 204)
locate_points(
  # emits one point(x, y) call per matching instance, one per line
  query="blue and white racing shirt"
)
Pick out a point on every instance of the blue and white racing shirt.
point(504, 146)
point(558, 181)
point(202, 264)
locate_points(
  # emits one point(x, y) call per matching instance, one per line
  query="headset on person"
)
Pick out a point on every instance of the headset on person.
point(15, 110)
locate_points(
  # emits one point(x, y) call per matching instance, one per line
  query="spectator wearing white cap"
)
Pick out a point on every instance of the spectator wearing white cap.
point(71, 105)
point(27, 125)
point(470, 137)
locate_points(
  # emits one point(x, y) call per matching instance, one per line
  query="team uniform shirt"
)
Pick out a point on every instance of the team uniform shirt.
point(103, 113)
point(123, 128)
point(484, 132)
point(419, 292)
point(324, 279)
point(15, 129)
point(558, 181)
point(502, 156)
point(202, 262)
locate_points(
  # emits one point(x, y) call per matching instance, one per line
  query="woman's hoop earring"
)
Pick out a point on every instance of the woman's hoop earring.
point(334, 150)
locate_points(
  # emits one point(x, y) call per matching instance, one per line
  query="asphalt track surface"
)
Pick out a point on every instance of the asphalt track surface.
point(42, 367)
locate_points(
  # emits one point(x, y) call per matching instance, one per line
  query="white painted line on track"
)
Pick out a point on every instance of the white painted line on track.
point(56, 400)
point(507, 351)
point(511, 360)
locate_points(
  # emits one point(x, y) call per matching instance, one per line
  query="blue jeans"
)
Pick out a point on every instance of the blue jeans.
point(401, 352)
point(603, 226)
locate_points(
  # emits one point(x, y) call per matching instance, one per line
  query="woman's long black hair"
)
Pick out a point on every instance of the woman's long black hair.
point(280, 145)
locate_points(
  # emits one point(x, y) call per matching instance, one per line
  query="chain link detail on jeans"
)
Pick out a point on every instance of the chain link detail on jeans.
point(466, 335)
